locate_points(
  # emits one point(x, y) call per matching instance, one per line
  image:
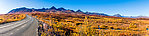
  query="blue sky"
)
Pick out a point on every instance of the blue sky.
point(111, 7)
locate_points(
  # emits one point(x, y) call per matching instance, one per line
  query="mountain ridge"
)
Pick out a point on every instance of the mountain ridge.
point(53, 9)
point(61, 9)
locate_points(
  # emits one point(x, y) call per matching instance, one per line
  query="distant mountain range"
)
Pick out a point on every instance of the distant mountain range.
point(54, 9)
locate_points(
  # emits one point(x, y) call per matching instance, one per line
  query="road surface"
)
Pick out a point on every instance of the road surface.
point(25, 27)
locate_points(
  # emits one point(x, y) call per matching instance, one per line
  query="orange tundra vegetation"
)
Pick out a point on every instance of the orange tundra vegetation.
point(89, 25)
point(6, 18)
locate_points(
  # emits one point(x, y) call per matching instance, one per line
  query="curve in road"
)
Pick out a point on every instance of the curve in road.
point(25, 27)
